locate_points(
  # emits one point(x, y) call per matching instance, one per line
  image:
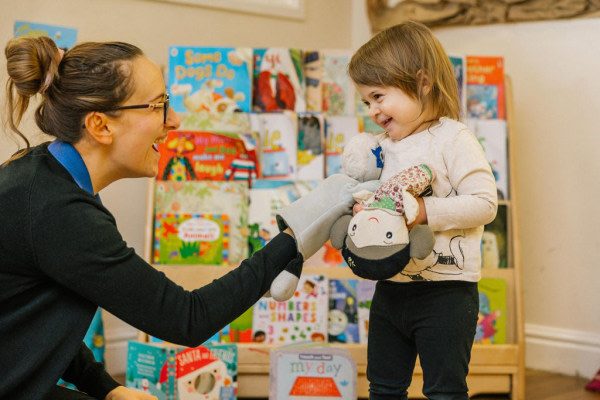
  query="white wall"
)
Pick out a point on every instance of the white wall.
point(154, 26)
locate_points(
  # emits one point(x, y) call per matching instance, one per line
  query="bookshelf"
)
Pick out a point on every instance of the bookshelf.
point(494, 368)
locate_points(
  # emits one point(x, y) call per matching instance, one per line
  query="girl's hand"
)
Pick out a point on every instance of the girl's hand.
point(123, 393)
point(421, 218)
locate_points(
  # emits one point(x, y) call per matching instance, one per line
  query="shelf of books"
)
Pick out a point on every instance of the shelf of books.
point(260, 128)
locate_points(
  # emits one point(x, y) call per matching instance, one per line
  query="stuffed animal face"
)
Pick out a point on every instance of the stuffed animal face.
point(378, 227)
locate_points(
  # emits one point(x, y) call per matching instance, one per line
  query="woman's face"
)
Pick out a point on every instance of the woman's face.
point(137, 132)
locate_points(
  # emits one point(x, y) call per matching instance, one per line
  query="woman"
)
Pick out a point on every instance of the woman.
point(61, 254)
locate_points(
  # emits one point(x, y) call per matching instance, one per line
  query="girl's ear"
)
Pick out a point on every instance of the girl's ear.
point(425, 82)
point(96, 123)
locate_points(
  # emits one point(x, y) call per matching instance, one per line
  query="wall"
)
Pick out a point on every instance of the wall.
point(154, 26)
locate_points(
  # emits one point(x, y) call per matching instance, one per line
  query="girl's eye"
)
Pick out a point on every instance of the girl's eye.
point(366, 103)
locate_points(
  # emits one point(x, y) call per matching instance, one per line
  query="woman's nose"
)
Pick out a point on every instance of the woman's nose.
point(173, 120)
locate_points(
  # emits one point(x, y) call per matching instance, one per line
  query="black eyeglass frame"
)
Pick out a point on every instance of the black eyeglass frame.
point(151, 106)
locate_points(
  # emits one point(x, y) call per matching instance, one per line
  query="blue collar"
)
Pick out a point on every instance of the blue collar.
point(70, 158)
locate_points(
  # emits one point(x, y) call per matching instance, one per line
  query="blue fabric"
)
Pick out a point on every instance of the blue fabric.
point(70, 158)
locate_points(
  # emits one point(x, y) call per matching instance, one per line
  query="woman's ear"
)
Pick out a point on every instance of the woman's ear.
point(96, 123)
point(425, 83)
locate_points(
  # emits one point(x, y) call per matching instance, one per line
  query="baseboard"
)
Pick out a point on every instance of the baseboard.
point(563, 351)
point(115, 350)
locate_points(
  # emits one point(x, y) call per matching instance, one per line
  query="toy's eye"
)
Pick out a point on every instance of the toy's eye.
point(354, 227)
point(388, 235)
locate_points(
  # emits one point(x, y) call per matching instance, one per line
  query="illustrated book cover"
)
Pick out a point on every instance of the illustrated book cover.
point(278, 134)
point(364, 295)
point(180, 373)
point(338, 91)
point(343, 311)
point(338, 131)
point(218, 202)
point(485, 87)
point(313, 79)
point(301, 318)
point(459, 65)
point(491, 320)
point(318, 373)
point(210, 79)
point(494, 242)
point(278, 80)
point(311, 147)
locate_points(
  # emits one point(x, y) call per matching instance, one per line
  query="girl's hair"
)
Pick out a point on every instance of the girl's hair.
point(89, 77)
point(398, 57)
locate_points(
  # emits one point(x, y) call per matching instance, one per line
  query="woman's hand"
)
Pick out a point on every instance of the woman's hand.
point(123, 393)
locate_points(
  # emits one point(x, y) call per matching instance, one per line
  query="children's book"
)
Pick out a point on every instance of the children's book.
point(364, 295)
point(491, 323)
point(485, 87)
point(191, 239)
point(459, 65)
point(494, 242)
point(313, 78)
point(211, 79)
point(338, 91)
point(278, 145)
point(338, 131)
point(180, 373)
point(311, 147)
point(191, 155)
point(493, 136)
point(343, 311)
point(214, 200)
point(64, 37)
point(278, 80)
point(317, 373)
point(301, 318)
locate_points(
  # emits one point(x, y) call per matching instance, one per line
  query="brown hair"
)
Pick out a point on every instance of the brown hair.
point(398, 56)
point(89, 77)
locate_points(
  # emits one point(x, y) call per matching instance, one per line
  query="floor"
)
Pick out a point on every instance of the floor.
point(538, 386)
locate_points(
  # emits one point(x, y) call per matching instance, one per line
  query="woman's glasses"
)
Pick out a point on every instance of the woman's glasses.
point(164, 105)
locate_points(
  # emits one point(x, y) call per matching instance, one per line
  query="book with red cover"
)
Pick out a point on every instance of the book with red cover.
point(485, 87)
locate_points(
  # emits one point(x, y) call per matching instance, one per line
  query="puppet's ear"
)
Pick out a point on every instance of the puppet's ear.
point(411, 206)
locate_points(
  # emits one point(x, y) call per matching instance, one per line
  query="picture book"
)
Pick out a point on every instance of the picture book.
point(317, 373)
point(191, 239)
point(219, 122)
point(278, 145)
point(64, 37)
point(191, 155)
point(313, 78)
point(278, 80)
point(343, 311)
point(459, 65)
point(491, 322)
point(493, 136)
point(338, 131)
point(364, 294)
point(494, 242)
point(311, 147)
point(301, 318)
point(485, 87)
point(211, 79)
point(179, 373)
point(338, 91)
point(240, 329)
point(210, 198)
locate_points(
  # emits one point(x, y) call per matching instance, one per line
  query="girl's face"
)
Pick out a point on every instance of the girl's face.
point(392, 109)
point(137, 132)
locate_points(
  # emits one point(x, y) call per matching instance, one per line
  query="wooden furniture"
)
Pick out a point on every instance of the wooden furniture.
point(494, 368)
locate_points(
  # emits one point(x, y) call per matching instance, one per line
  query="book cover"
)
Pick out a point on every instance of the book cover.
point(493, 136)
point(459, 65)
point(64, 37)
point(494, 242)
point(191, 239)
point(191, 155)
point(338, 131)
point(180, 373)
point(338, 91)
point(313, 78)
point(485, 87)
point(312, 373)
point(278, 145)
point(491, 322)
point(207, 198)
point(311, 147)
point(278, 80)
point(364, 295)
point(302, 318)
point(211, 79)
point(343, 311)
